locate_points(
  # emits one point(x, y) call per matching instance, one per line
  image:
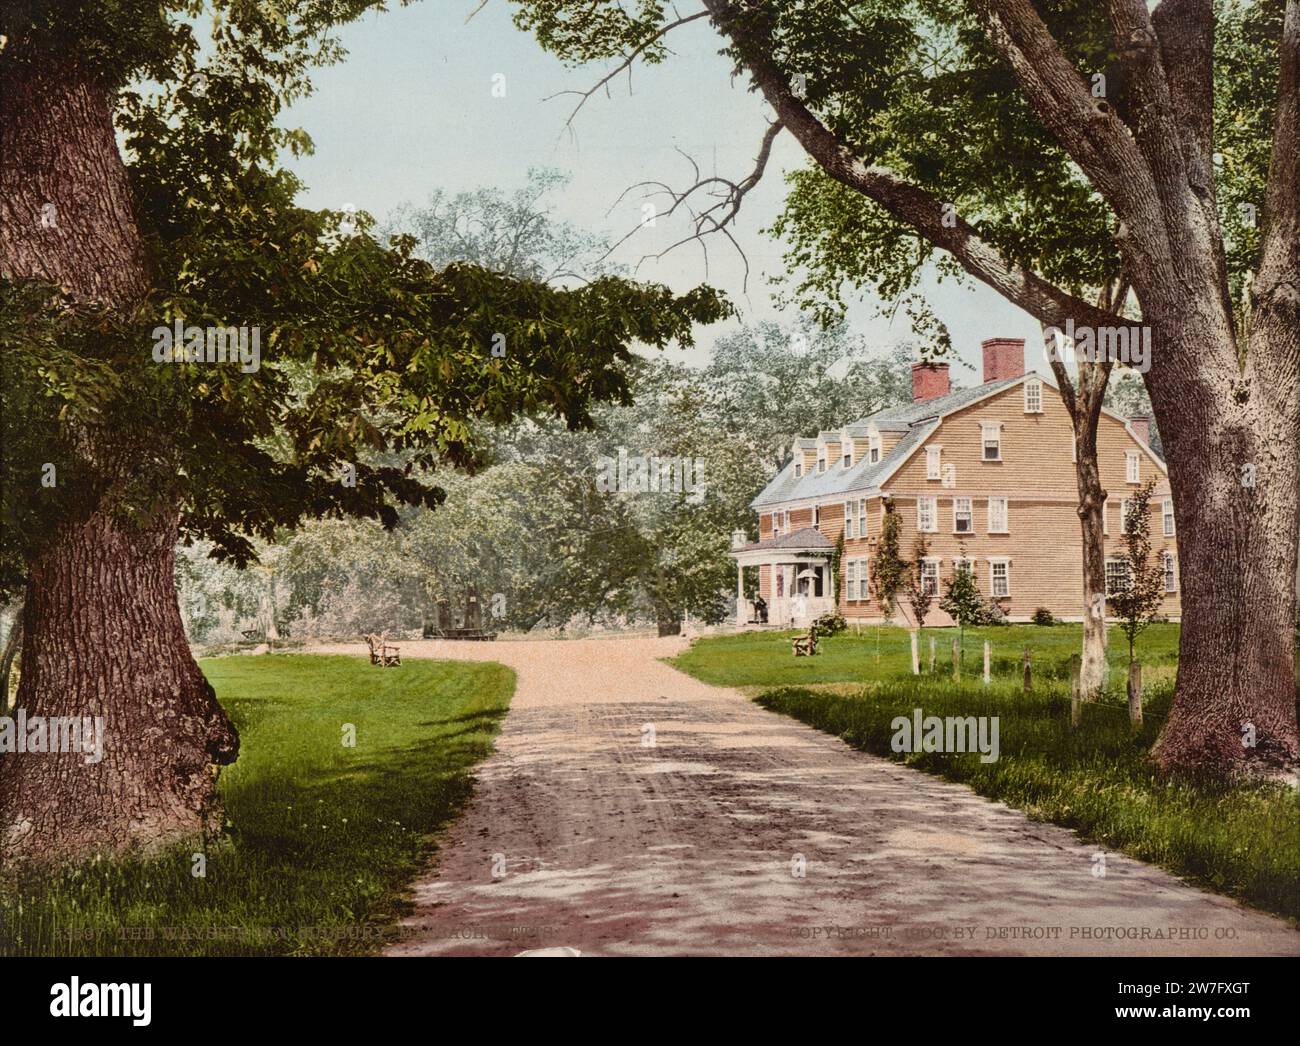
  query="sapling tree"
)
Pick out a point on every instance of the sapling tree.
point(962, 600)
point(1136, 597)
point(919, 596)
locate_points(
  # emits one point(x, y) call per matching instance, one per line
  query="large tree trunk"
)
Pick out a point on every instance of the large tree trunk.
point(1235, 479)
point(1092, 499)
point(103, 637)
point(102, 629)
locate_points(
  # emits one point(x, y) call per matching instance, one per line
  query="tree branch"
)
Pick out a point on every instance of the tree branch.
point(930, 217)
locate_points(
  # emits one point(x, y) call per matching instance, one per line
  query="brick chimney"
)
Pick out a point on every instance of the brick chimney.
point(1003, 358)
point(1141, 426)
point(929, 380)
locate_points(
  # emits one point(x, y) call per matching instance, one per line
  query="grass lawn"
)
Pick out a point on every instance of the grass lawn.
point(1242, 841)
point(322, 837)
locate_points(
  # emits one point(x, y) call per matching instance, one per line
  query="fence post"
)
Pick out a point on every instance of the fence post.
point(1135, 693)
point(1028, 682)
point(986, 662)
point(932, 653)
point(916, 654)
point(956, 660)
point(1076, 688)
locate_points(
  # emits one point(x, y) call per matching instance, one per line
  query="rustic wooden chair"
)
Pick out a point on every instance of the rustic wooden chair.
point(381, 653)
point(805, 645)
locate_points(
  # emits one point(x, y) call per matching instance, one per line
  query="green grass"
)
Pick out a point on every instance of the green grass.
point(1242, 841)
point(321, 838)
point(764, 659)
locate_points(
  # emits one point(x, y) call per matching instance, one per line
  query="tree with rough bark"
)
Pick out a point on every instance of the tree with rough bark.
point(360, 369)
point(1059, 153)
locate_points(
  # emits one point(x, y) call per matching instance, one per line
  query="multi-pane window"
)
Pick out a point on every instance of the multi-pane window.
point(932, 462)
point(1167, 517)
point(926, 522)
point(997, 515)
point(963, 519)
point(862, 517)
point(930, 576)
point(991, 433)
point(1167, 565)
point(1033, 396)
point(848, 519)
point(863, 587)
point(850, 578)
point(960, 566)
point(950, 475)
point(785, 522)
point(1116, 576)
point(1132, 467)
point(999, 578)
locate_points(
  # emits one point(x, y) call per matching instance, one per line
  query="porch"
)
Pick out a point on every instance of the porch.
point(800, 584)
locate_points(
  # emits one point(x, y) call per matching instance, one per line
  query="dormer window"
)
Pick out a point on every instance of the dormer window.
point(798, 469)
point(991, 438)
point(848, 455)
point(1033, 396)
point(932, 455)
point(821, 460)
point(873, 447)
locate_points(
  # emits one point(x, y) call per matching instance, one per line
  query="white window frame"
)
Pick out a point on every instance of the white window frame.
point(928, 579)
point(968, 512)
point(864, 579)
point(873, 448)
point(850, 576)
point(1132, 467)
point(862, 517)
point(817, 518)
point(949, 475)
point(966, 563)
point(1167, 516)
point(995, 428)
point(785, 521)
point(1033, 396)
point(847, 457)
point(994, 563)
point(1118, 561)
point(821, 460)
point(1105, 518)
point(848, 519)
point(1170, 568)
point(798, 469)
point(927, 515)
point(1006, 515)
point(933, 462)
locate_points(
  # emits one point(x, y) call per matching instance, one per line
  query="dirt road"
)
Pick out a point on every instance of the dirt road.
point(584, 834)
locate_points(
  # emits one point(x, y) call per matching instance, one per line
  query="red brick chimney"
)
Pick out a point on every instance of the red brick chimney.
point(1141, 426)
point(929, 380)
point(1003, 358)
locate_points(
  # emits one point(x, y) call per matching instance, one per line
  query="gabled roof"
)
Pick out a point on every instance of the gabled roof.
point(915, 420)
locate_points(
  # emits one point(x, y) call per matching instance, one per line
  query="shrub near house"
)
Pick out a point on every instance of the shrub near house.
point(985, 474)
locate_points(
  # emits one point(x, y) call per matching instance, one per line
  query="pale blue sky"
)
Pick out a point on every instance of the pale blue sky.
point(412, 110)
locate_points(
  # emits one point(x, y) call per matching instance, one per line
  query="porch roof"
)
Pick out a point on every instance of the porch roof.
point(802, 545)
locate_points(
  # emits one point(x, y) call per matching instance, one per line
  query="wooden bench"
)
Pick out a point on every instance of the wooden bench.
point(805, 645)
point(381, 653)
